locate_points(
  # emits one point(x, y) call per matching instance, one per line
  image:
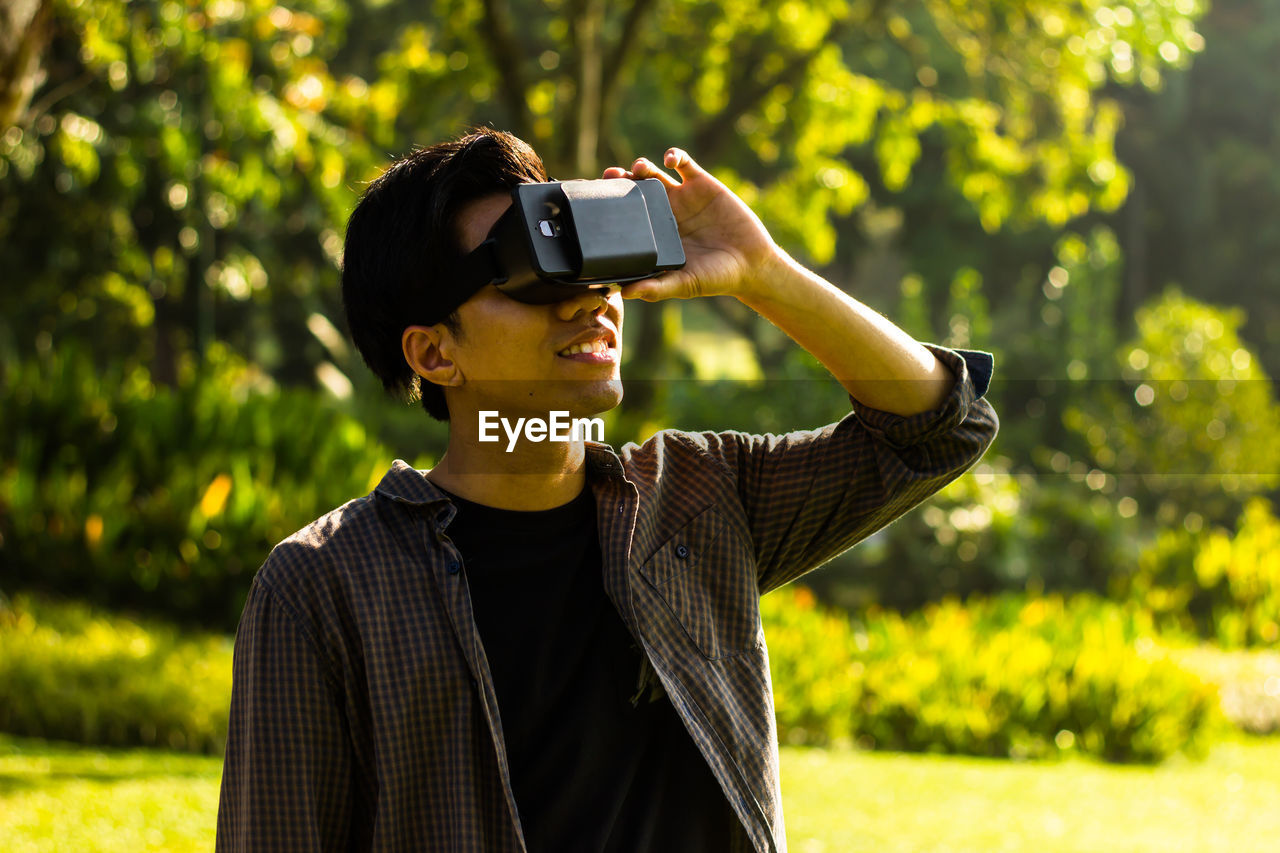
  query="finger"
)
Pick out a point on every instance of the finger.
point(644, 168)
point(615, 172)
point(679, 159)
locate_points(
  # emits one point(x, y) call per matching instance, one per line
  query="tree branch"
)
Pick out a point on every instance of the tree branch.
point(24, 32)
point(626, 45)
point(572, 64)
point(587, 30)
point(619, 57)
point(711, 138)
point(715, 131)
point(496, 32)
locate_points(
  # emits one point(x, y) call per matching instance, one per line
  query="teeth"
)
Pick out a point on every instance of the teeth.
point(597, 346)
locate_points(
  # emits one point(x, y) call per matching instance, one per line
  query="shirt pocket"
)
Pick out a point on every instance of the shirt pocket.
point(706, 576)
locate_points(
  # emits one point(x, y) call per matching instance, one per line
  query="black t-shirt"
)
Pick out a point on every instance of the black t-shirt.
point(590, 770)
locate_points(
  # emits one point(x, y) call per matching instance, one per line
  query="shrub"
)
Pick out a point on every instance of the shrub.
point(989, 531)
point(159, 498)
point(70, 673)
point(816, 684)
point(1008, 676)
point(1195, 423)
point(1030, 678)
point(1215, 584)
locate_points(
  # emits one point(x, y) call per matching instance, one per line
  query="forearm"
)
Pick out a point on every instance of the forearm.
point(879, 364)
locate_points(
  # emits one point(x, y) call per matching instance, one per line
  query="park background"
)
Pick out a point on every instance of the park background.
point(1076, 646)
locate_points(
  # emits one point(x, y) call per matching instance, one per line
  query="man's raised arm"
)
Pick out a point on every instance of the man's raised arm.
point(729, 252)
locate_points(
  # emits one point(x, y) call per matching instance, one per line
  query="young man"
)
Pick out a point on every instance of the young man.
point(559, 647)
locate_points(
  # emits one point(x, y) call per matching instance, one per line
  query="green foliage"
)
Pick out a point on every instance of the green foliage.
point(1030, 678)
point(184, 170)
point(1054, 331)
point(1213, 583)
point(816, 685)
point(70, 673)
point(164, 499)
point(179, 158)
point(1003, 677)
point(1206, 164)
point(1197, 427)
point(990, 531)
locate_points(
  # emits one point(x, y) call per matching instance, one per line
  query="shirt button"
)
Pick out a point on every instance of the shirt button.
point(455, 567)
point(682, 551)
point(621, 508)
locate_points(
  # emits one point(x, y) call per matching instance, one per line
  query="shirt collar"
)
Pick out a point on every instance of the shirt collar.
point(406, 484)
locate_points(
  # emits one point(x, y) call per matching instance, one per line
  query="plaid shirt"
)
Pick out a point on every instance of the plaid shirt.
point(363, 714)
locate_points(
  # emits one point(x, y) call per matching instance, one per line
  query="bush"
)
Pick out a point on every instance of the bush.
point(816, 678)
point(989, 531)
point(1194, 423)
point(164, 499)
point(69, 673)
point(1215, 584)
point(1009, 677)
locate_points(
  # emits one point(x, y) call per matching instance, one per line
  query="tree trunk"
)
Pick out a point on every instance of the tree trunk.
point(24, 31)
point(587, 27)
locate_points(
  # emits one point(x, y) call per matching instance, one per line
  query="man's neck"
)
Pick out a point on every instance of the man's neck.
point(529, 476)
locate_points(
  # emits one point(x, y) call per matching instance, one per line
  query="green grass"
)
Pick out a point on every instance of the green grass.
point(898, 803)
point(55, 797)
point(64, 797)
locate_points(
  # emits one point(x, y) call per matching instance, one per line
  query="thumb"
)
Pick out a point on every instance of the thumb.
point(670, 284)
point(648, 290)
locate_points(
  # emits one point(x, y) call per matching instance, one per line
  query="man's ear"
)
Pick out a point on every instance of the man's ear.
point(428, 351)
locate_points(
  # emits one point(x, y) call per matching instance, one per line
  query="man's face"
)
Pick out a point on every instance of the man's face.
point(526, 359)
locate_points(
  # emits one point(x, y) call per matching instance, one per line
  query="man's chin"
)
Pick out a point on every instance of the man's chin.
point(597, 401)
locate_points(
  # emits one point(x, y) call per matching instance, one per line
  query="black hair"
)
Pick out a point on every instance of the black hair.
point(403, 241)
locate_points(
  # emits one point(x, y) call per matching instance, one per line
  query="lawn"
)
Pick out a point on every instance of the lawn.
point(891, 802)
point(64, 797)
point(55, 797)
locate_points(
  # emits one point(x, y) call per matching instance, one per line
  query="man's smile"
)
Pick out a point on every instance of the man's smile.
point(596, 345)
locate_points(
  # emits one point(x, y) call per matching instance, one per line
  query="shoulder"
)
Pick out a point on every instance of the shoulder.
point(314, 562)
point(672, 450)
point(324, 542)
point(727, 452)
point(355, 538)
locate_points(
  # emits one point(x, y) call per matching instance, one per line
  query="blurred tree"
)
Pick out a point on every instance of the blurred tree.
point(782, 93)
point(177, 158)
point(23, 31)
point(1205, 158)
point(180, 156)
point(1193, 433)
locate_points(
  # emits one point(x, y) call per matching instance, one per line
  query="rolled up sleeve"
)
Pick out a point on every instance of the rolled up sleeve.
point(809, 495)
point(972, 369)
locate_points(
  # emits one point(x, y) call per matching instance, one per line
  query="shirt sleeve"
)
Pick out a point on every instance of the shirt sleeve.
point(810, 495)
point(286, 778)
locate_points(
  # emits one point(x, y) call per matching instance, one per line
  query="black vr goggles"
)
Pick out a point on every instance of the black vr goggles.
point(563, 237)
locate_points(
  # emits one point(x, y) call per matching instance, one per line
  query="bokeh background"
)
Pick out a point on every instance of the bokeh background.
point(1076, 646)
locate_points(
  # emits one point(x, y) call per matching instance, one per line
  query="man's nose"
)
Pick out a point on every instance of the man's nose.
point(591, 301)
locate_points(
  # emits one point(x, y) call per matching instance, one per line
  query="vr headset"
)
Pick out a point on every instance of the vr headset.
point(561, 238)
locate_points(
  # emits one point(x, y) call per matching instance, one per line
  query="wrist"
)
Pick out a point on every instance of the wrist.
point(768, 278)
